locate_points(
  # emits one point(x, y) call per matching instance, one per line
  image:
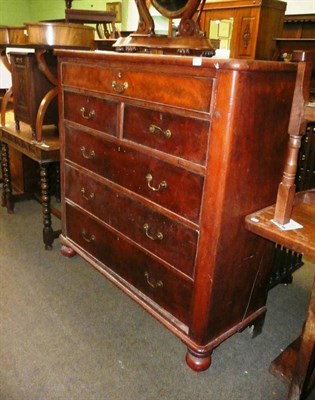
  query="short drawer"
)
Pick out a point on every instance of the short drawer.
point(166, 88)
point(171, 186)
point(180, 136)
point(166, 238)
point(163, 286)
point(92, 112)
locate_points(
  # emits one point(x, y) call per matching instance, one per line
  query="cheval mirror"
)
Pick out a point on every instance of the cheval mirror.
point(189, 39)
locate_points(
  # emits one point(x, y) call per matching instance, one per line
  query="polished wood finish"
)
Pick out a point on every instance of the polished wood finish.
point(255, 25)
point(4, 35)
point(17, 35)
point(14, 35)
point(60, 34)
point(154, 196)
point(44, 154)
point(298, 359)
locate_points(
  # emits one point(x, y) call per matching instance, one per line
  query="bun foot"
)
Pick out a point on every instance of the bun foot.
point(67, 251)
point(197, 361)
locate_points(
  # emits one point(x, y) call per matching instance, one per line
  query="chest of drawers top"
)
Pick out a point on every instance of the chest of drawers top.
point(182, 82)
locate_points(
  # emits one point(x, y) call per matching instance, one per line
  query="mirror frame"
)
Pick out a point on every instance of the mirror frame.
point(187, 10)
point(189, 40)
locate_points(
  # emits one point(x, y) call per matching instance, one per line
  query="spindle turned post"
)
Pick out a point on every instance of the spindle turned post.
point(296, 129)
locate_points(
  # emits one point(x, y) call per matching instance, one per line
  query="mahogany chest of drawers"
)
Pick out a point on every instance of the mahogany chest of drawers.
point(162, 158)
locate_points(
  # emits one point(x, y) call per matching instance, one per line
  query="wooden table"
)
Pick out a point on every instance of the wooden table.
point(45, 153)
point(295, 365)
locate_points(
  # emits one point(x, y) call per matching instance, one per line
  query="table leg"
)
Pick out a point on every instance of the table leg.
point(57, 194)
point(48, 233)
point(7, 197)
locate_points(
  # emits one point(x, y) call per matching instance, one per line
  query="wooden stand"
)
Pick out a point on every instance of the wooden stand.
point(44, 154)
point(296, 364)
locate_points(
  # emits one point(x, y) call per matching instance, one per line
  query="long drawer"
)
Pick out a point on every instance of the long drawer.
point(168, 290)
point(171, 186)
point(166, 238)
point(182, 91)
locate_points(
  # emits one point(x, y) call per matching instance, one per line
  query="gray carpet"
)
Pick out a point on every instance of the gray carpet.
point(67, 333)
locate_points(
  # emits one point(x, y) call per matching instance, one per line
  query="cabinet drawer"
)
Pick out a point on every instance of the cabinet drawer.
point(164, 237)
point(180, 136)
point(171, 186)
point(158, 283)
point(165, 88)
point(90, 111)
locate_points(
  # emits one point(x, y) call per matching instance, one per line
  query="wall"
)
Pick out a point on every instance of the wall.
point(14, 12)
point(300, 7)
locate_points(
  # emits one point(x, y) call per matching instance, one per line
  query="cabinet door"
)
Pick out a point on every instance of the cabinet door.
point(21, 87)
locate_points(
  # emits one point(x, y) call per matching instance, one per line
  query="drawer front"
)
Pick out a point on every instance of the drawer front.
point(161, 285)
point(164, 237)
point(180, 136)
point(92, 112)
point(171, 89)
point(171, 186)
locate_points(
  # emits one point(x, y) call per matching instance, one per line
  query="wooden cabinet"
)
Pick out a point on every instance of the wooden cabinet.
point(161, 159)
point(29, 86)
point(299, 26)
point(253, 25)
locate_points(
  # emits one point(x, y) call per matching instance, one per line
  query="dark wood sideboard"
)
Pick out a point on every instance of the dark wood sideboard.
point(161, 159)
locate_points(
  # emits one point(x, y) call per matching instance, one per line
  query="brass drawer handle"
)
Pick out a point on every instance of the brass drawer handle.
point(162, 185)
point(90, 115)
point(156, 129)
point(119, 87)
point(87, 196)
point(88, 156)
point(158, 236)
point(87, 237)
point(153, 282)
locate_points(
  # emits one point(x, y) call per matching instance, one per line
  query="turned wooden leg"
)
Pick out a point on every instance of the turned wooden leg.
point(7, 197)
point(67, 251)
point(48, 233)
point(57, 181)
point(198, 361)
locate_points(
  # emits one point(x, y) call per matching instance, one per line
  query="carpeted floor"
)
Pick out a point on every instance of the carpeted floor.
point(67, 333)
